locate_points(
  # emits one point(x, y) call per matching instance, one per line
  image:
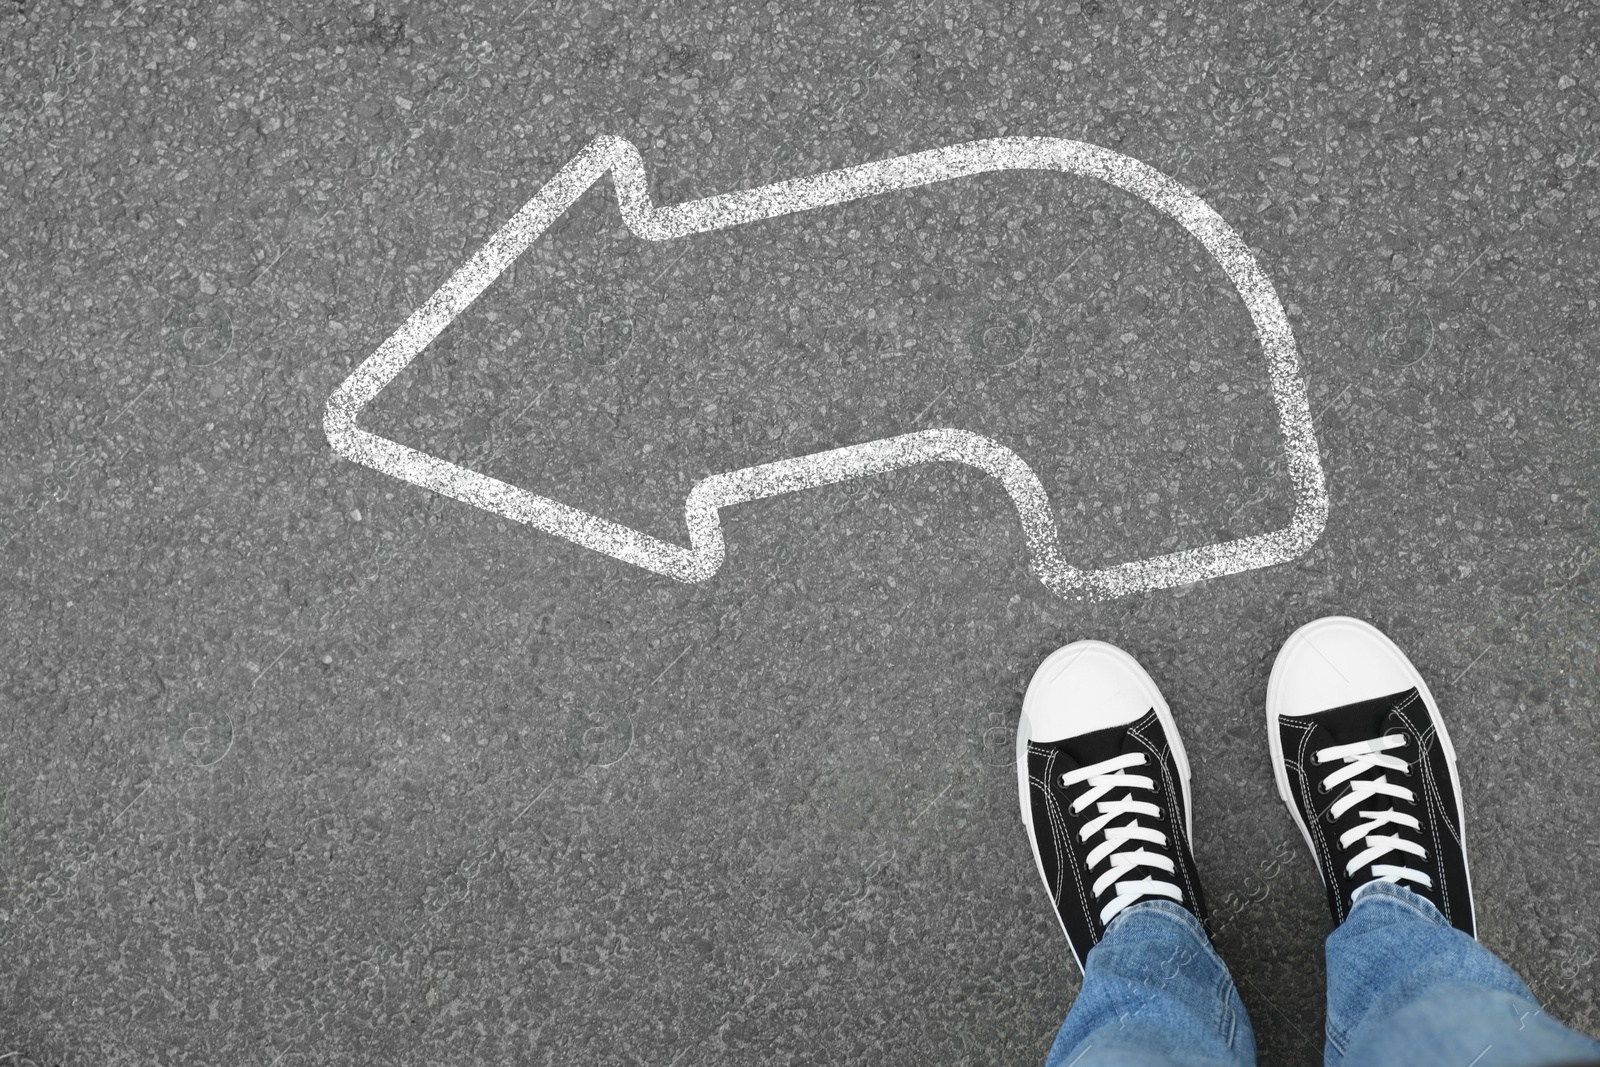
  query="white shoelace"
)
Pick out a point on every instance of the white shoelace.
point(1364, 764)
point(1102, 778)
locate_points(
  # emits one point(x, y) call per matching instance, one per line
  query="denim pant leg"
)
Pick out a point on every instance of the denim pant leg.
point(1155, 994)
point(1405, 988)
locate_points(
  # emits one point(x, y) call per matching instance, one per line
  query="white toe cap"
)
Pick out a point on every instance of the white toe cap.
point(1337, 661)
point(1083, 687)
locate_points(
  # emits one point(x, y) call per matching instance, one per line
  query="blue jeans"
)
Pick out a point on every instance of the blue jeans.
point(1405, 988)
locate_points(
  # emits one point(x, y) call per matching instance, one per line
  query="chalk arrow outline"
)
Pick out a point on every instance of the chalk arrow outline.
point(704, 556)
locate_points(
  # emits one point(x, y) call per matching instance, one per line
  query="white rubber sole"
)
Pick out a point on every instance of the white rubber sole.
point(1367, 665)
point(1107, 667)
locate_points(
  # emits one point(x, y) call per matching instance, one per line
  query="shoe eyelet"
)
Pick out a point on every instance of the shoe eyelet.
point(1322, 787)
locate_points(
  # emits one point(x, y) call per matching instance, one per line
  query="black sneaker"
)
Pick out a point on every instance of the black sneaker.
point(1104, 787)
point(1364, 762)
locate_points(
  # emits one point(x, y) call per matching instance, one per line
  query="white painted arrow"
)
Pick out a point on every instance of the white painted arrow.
point(704, 556)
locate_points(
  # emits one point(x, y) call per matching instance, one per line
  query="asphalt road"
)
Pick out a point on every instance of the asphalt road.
point(303, 764)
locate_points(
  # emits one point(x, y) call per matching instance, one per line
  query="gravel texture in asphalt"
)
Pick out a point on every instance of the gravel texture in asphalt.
point(302, 764)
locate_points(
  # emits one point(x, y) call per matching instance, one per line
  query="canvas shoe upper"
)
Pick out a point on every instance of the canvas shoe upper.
point(1103, 784)
point(1364, 762)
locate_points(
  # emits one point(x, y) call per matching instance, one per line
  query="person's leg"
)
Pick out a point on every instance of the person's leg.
point(1365, 763)
point(1103, 783)
point(1407, 988)
point(1155, 993)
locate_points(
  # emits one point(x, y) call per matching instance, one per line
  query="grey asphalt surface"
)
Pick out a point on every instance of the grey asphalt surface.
point(301, 764)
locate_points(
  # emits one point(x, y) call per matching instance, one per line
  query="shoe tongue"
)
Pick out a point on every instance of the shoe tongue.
point(1097, 747)
point(1360, 721)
